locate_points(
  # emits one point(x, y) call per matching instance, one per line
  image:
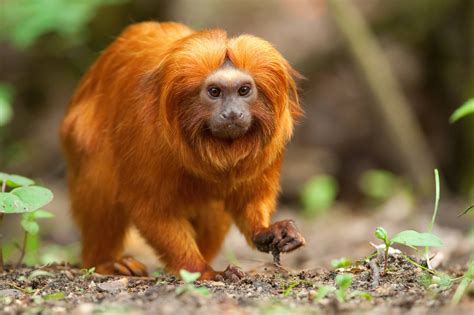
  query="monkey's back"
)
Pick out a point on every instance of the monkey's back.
point(115, 75)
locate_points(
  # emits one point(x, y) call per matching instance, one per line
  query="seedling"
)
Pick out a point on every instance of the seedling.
point(343, 283)
point(19, 195)
point(410, 238)
point(189, 278)
point(88, 272)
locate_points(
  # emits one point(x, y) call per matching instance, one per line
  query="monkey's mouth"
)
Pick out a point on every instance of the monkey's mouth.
point(229, 130)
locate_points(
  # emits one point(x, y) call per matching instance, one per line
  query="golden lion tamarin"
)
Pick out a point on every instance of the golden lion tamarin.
point(179, 133)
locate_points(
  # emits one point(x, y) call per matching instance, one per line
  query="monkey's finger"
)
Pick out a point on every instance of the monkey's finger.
point(292, 244)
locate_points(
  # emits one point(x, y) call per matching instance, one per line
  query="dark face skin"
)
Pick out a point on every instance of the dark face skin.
point(229, 93)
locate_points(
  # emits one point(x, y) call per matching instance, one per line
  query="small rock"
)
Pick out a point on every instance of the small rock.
point(303, 293)
point(311, 294)
point(69, 275)
point(85, 308)
point(217, 283)
point(114, 285)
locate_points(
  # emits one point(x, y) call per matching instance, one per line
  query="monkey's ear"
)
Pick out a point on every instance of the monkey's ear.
point(293, 98)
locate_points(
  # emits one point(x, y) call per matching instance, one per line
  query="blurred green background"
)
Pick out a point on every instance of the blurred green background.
point(345, 149)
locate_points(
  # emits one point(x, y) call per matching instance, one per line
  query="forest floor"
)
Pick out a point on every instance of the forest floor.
point(296, 287)
point(60, 289)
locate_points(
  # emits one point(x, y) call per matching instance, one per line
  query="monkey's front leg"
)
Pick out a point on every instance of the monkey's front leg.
point(173, 239)
point(253, 220)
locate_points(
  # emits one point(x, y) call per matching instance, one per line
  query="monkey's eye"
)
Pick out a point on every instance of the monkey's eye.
point(214, 92)
point(244, 90)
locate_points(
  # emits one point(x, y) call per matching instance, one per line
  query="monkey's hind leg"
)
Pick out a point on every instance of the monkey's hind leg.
point(103, 223)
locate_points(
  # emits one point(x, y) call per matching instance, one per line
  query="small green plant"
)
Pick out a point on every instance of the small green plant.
point(410, 238)
point(343, 283)
point(318, 195)
point(189, 278)
point(87, 272)
point(342, 262)
point(19, 195)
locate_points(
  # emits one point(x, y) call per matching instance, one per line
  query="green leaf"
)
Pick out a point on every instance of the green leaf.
point(319, 194)
point(344, 280)
point(10, 203)
point(24, 21)
point(6, 96)
point(362, 294)
point(54, 296)
point(465, 109)
point(323, 291)
point(34, 197)
point(381, 234)
point(29, 225)
point(378, 184)
point(189, 277)
point(416, 239)
point(341, 262)
point(18, 181)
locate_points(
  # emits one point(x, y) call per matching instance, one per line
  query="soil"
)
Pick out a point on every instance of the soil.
point(62, 289)
point(267, 288)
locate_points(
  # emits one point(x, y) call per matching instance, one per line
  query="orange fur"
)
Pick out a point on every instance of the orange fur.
point(136, 154)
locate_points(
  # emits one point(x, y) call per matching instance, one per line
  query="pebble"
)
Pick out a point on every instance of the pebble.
point(311, 294)
point(302, 294)
point(69, 275)
point(85, 308)
point(114, 285)
point(217, 283)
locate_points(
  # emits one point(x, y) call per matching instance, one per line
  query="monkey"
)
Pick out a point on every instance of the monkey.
point(180, 133)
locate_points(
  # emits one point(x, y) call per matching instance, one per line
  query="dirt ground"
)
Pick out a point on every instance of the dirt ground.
point(61, 289)
point(293, 288)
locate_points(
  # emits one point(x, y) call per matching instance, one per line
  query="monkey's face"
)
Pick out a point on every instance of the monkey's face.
point(228, 95)
point(224, 100)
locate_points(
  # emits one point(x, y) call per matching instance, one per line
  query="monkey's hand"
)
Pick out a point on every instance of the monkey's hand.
point(280, 237)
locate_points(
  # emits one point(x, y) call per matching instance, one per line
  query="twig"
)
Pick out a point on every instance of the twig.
point(466, 211)
point(375, 273)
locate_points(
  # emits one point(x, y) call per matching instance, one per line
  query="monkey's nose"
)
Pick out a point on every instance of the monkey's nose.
point(232, 115)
